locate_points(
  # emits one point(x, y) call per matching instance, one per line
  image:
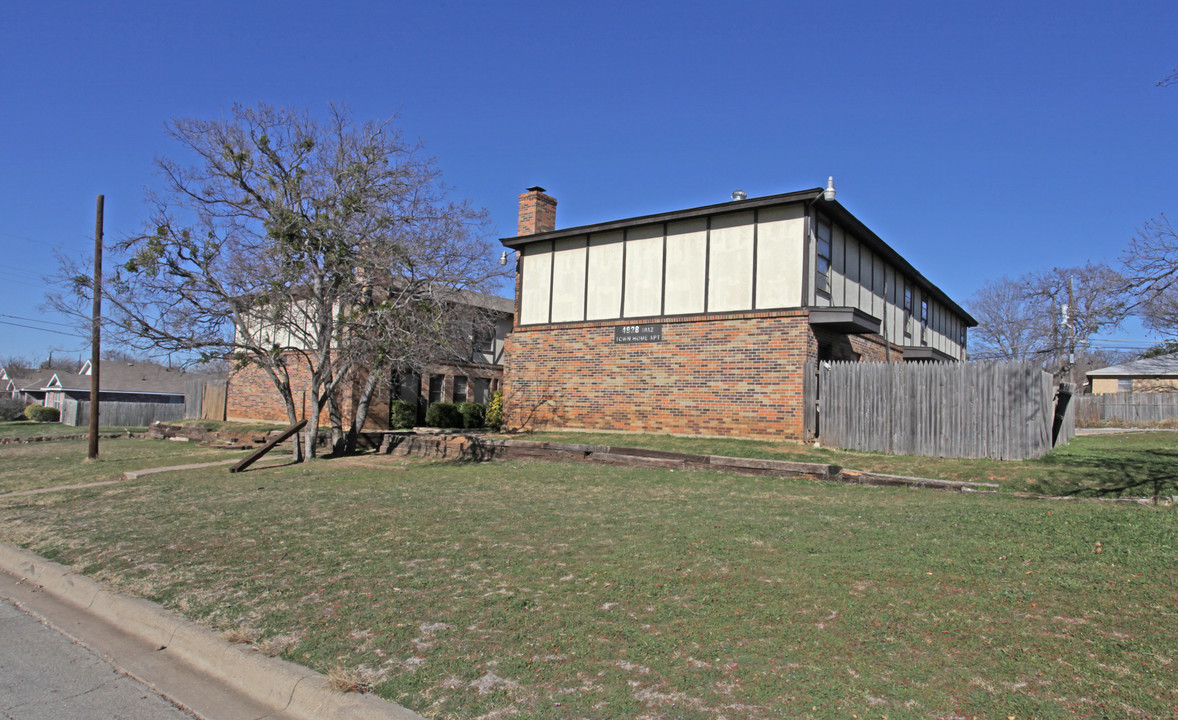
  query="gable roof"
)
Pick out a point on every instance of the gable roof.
point(830, 207)
point(125, 377)
point(35, 381)
point(1154, 366)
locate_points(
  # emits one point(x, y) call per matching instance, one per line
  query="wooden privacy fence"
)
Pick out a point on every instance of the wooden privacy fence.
point(205, 399)
point(135, 414)
point(1003, 411)
point(1130, 408)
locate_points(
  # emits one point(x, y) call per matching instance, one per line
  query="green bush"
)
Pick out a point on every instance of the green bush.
point(473, 414)
point(40, 413)
point(495, 411)
point(443, 415)
point(11, 409)
point(402, 415)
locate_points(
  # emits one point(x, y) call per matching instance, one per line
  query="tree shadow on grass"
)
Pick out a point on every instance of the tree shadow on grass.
point(1144, 472)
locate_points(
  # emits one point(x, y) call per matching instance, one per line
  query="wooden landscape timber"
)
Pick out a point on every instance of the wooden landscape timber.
point(274, 442)
point(456, 446)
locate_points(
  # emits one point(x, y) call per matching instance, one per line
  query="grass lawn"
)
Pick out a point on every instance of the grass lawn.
point(64, 462)
point(545, 590)
point(1137, 464)
point(24, 429)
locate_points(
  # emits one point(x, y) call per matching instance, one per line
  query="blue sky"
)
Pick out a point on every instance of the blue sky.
point(978, 139)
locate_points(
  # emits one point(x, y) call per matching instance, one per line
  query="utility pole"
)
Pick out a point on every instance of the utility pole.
point(96, 330)
point(1071, 329)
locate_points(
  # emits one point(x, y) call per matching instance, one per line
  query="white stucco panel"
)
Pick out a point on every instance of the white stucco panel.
point(730, 267)
point(779, 257)
point(686, 266)
point(568, 280)
point(536, 283)
point(644, 271)
point(604, 299)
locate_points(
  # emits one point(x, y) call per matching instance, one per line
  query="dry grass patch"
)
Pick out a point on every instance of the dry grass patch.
point(548, 590)
point(351, 679)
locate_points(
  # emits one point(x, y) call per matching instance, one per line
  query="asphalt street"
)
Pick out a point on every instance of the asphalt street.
point(46, 676)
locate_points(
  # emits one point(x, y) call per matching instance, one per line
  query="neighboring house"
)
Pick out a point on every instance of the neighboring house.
point(28, 389)
point(121, 381)
point(700, 321)
point(471, 377)
point(1155, 374)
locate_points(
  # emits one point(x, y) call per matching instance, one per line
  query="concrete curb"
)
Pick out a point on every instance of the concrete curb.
point(288, 688)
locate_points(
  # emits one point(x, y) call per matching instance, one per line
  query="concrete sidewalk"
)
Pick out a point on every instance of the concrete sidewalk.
point(45, 676)
point(179, 659)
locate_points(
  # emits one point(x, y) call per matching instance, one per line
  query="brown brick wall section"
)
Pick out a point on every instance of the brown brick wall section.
point(537, 212)
point(252, 395)
point(727, 376)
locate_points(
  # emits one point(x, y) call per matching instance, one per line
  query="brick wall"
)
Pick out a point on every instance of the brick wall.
point(251, 394)
point(537, 212)
point(737, 376)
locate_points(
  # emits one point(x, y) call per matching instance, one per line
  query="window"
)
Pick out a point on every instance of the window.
point(482, 390)
point(484, 337)
point(907, 311)
point(436, 388)
point(822, 270)
point(923, 322)
point(1124, 384)
point(459, 389)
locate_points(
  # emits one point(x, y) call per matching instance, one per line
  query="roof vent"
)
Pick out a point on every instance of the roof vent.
point(739, 194)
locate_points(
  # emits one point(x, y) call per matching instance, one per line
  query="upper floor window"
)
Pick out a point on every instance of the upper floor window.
point(907, 311)
point(924, 322)
point(822, 269)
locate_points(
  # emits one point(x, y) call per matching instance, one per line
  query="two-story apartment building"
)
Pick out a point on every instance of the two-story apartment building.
point(472, 373)
point(699, 321)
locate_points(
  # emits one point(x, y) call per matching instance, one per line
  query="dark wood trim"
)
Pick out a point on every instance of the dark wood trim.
point(730, 206)
point(622, 299)
point(756, 224)
point(810, 199)
point(707, 262)
point(585, 284)
point(808, 245)
point(663, 282)
point(792, 311)
point(551, 276)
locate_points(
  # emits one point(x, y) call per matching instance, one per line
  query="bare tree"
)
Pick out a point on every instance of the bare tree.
point(1049, 316)
point(254, 252)
point(1012, 325)
point(17, 366)
point(1150, 268)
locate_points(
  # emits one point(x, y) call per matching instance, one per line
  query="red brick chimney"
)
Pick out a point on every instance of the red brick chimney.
point(537, 212)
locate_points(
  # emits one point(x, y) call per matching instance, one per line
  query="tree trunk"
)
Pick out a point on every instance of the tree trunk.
point(337, 424)
point(292, 414)
point(364, 402)
point(311, 433)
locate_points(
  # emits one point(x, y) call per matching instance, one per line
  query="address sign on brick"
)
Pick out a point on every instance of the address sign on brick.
point(638, 333)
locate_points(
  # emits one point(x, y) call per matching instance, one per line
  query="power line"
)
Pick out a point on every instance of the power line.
point(39, 329)
point(38, 320)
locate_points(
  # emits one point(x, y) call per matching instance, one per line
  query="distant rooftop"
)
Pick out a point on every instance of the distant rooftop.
point(1160, 365)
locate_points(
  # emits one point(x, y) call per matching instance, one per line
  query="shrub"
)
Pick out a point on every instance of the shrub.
point(443, 415)
point(495, 411)
point(402, 415)
point(473, 414)
point(40, 413)
point(11, 409)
